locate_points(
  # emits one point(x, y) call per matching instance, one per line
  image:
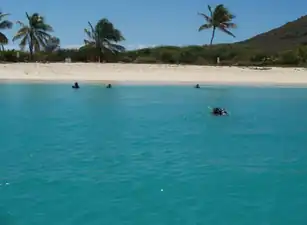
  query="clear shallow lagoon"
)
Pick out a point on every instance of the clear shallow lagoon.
point(101, 156)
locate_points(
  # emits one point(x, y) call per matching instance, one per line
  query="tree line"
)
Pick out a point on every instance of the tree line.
point(103, 44)
point(35, 34)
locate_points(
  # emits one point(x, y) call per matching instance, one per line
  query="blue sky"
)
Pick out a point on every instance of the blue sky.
point(159, 22)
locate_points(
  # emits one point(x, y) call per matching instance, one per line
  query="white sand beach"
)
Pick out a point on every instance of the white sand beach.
point(150, 74)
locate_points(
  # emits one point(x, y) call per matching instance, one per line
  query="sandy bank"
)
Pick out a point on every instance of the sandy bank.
point(150, 74)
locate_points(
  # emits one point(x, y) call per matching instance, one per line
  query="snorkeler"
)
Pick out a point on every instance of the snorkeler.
point(76, 85)
point(219, 112)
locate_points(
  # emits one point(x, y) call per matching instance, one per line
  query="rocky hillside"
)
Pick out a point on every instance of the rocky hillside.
point(282, 38)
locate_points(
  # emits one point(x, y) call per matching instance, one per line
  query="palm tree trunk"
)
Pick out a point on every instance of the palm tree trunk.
point(31, 47)
point(31, 51)
point(213, 34)
point(99, 54)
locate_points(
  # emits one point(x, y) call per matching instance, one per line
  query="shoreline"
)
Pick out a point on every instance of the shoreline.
point(151, 74)
point(154, 83)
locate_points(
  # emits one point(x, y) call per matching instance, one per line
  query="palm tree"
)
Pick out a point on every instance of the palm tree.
point(35, 34)
point(104, 38)
point(221, 18)
point(4, 24)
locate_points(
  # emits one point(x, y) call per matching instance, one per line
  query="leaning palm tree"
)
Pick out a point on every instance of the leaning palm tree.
point(4, 24)
point(104, 38)
point(220, 18)
point(35, 34)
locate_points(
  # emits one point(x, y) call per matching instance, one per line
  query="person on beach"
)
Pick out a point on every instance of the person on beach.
point(76, 85)
point(109, 86)
point(219, 112)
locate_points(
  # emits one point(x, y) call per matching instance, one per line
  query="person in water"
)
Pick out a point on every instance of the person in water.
point(197, 86)
point(109, 86)
point(219, 112)
point(76, 85)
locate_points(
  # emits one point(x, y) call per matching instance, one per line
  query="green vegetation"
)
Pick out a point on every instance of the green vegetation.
point(220, 19)
point(103, 39)
point(229, 54)
point(284, 46)
point(4, 24)
point(52, 44)
point(35, 34)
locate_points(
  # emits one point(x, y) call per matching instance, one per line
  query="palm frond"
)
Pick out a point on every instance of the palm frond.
point(90, 43)
point(222, 14)
point(36, 44)
point(113, 35)
point(207, 18)
point(44, 34)
point(219, 13)
point(20, 23)
point(49, 28)
point(118, 36)
point(2, 15)
point(21, 33)
point(229, 25)
point(28, 17)
point(44, 27)
point(227, 31)
point(52, 44)
point(117, 48)
point(23, 42)
point(6, 24)
point(210, 10)
point(88, 33)
point(230, 16)
point(205, 26)
point(92, 28)
point(38, 41)
point(42, 41)
point(3, 39)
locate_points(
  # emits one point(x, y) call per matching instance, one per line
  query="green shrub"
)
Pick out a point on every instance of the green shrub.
point(126, 59)
point(259, 57)
point(145, 60)
point(229, 54)
point(302, 54)
point(289, 58)
point(12, 56)
point(201, 61)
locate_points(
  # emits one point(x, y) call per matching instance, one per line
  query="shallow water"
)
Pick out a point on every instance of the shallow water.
point(152, 155)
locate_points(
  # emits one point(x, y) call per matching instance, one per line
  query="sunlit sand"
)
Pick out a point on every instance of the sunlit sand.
point(149, 74)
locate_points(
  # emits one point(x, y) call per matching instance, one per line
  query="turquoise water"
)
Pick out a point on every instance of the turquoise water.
point(152, 156)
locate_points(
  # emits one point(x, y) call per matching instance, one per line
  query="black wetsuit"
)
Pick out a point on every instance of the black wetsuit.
point(219, 112)
point(76, 85)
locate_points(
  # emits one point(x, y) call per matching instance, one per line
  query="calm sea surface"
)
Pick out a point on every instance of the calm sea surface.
point(136, 155)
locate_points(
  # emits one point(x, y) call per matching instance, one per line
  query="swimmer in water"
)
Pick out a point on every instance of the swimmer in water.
point(76, 85)
point(219, 112)
point(197, 86)
point(109, 86)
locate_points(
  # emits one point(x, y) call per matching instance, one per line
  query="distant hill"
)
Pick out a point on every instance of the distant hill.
point(282, 38)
